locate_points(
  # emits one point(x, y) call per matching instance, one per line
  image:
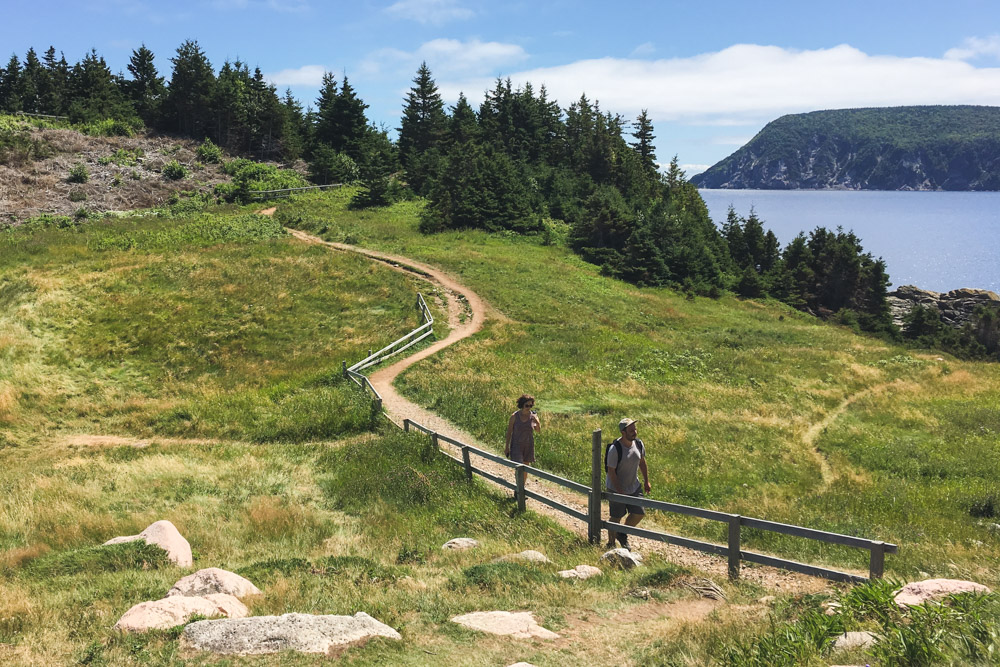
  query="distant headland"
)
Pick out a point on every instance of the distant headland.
point(899, 148)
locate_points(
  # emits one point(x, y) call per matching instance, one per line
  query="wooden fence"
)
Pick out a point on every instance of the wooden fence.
point(41, 115)
point(595, 493)
point(287, 192)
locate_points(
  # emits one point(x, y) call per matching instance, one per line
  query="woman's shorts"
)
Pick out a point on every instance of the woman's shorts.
point(618, 510)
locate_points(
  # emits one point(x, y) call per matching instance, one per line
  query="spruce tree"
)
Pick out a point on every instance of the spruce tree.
point(348, 123)
point(325, 126)
point(423, 124)
point(188, 106)
point(56, 82)
point(32, 83)
point(10, 86)
point(146, 90)
point(643, 144)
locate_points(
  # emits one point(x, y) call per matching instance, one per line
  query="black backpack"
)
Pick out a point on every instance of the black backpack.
point(617, 444)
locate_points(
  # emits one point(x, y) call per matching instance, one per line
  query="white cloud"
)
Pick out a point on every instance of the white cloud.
point(307, 75)
point(644, 49)
point(749, 84)
point(448, 57)
point(429, 12)
point(974, 47)
point(691, 169)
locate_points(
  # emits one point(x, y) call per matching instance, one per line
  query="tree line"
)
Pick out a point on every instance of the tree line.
point(519, 163)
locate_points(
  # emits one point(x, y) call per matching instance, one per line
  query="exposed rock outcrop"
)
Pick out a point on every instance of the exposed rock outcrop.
point(518, 624)
point(459, 544)
point(919, 592)
point(622, 558)
point(214, 580)
point(955, 308)
point(177, 610)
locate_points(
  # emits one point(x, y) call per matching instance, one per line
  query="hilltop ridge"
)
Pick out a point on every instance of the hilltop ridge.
point(898, 148)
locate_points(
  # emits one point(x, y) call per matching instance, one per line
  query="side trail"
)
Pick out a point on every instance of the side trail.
point(467, 312)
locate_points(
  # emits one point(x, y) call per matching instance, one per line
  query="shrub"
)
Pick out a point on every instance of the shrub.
point(249, 176)
point(78, 174)
point(112, 127)
point(77, 195)
point(209, 152)
point(174, 171)
point(329, 166)
point(123, 157)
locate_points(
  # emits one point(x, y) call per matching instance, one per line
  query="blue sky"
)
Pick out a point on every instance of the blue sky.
point(710, 74)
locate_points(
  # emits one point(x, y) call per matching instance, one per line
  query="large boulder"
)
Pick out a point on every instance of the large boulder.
point(173, 611)
point(517, 624)
point(164, 535)
point(214, 580)
point(853, 640)
point(622, 558)
point(304, 633)
point(459, 544)
point(919, 592)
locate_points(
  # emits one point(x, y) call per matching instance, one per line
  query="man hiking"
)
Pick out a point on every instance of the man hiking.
point(623, 459)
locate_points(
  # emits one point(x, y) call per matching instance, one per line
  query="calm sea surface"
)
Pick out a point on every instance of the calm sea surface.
point(935, 240)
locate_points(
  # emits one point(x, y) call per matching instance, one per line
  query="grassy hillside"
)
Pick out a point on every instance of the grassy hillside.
point(187, 368)
point(732, 395)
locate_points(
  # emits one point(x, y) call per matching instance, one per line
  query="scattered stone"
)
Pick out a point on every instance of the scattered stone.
point(214, 580)
point(460, 544)
point(767, 599)
point(919, 592)
point(529, 556)
point(622, 558)
point(173, 611)
point(164, 535)
point(852, 640)
point(831, 608)
point(518, 624)
point(304, 633)
point(955, 308)
point(521, 664)
point(580, 572)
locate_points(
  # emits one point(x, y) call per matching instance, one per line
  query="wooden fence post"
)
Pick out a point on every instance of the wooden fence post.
point(519, 476)
point(378, 406)
point(434, 440)
point(343, 366)
point(876, 563)
point(734, 546)
point(467, 460)
point(406, 425)
point(594, 504)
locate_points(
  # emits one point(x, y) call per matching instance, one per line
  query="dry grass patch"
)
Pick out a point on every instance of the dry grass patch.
point(14, 558)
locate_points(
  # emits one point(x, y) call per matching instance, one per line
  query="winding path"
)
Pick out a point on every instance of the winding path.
point(467, 312)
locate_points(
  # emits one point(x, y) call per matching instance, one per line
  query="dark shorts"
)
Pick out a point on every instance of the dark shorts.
point(618, 510)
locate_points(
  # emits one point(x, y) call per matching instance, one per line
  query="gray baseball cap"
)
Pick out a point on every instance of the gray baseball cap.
point(625, 423)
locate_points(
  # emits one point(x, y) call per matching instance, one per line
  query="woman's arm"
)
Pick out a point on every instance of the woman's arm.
point(535, 422)
point(510, 431)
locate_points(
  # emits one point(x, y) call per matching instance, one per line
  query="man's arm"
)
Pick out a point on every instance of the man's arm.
point(645, 474)
point(613, 477)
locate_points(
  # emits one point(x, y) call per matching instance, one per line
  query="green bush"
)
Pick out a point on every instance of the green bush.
point(78, 174)
point(123, 157)
point(112, 127)
point(77, 195)
point(209, 152)
point(136, 555)
point(249, 176)
point(174, 171)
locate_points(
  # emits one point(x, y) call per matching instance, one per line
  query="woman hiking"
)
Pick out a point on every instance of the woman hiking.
point(521, 428)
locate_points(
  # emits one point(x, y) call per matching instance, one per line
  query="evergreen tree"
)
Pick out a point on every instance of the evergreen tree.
point(32, 84)
point(643, 144)
point(462, 126)
point(422, 128)
point(188, 106)
point(55, 83)
point(348, 122)
point(94, 91)
point(293, 131)
point(378, 162)
point(10, 86)
point(146, 90)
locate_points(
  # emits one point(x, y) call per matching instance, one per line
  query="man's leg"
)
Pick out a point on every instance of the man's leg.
point(611, 534)
point(631, 520)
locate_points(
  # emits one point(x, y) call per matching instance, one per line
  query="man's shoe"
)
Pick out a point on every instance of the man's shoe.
point(623, 540)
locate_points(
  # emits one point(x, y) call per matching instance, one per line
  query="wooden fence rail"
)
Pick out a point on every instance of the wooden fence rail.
point(596, 494)
point(265, 194)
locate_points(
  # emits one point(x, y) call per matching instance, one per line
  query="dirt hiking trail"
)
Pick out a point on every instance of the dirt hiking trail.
point(467, 312)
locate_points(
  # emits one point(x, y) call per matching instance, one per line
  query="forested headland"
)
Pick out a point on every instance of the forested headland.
point(898, 148)
point(518, 164)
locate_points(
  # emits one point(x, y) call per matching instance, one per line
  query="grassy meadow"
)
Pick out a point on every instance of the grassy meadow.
point(732, 396)
point(188, 368)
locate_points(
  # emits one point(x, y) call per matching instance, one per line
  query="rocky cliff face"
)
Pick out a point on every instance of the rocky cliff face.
point(908, 148)
point(955, 307)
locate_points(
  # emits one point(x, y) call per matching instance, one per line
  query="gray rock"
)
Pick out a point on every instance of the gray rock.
point(529, 556)
point(955, 308)
point(304, 633)
point(622, 558)
point(460, 543)
point(214, 580)
point(580, 572)
point(517, 624)
point(852, 640)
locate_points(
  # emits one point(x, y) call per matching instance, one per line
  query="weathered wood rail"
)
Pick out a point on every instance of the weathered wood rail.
point(596, 494)
point(287, 192)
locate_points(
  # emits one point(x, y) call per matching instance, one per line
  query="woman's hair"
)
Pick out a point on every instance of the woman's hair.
point(524, 399)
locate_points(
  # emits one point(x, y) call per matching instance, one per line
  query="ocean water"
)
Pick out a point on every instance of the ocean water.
point(935, 240)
